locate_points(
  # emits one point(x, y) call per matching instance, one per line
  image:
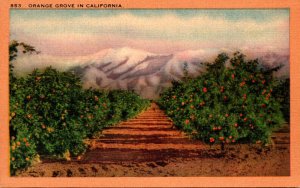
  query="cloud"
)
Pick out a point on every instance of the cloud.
point(127, 68)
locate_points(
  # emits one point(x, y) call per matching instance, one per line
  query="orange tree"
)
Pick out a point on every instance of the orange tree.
point(51, 114)
point(22, 147)
point(232, 102)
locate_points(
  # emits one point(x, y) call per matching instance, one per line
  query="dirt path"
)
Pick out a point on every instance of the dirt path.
point(149, 145)
point(149, 137)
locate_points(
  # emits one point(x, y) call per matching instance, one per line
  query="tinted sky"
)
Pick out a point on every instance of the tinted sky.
point(81, 32)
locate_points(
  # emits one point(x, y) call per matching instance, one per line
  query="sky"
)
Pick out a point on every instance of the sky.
point(83, 32)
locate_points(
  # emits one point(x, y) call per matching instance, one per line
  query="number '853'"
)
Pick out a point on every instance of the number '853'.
point(15, 6)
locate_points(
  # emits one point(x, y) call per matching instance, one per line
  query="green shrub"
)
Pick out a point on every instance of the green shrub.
point(46, 103)
point(282, 94)
point(125, 105)
point(232, 102)
point(93, 110)
point(22, 150)
point(52, 111)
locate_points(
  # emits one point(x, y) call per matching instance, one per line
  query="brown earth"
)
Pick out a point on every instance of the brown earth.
point(149, 145)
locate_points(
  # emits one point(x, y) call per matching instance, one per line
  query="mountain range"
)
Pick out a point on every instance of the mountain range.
point(146, 73)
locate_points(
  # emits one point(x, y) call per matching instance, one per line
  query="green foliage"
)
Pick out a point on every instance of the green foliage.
point(53, 110)
point(16, 48)
point(282, 94)
point(232, 102)
point(46, 104)
point(125, 105)
point(51, 114)
point(22, 150)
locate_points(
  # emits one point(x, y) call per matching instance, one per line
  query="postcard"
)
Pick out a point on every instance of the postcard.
point(149, 94)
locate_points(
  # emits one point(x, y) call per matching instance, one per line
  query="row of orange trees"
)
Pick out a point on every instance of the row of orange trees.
point(51, 114)
point(234, 101)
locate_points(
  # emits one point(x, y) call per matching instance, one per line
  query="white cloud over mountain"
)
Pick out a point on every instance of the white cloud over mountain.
point(144, 72)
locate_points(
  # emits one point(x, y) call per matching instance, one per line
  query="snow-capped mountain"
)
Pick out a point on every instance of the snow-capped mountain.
point(146, 73)
point(125, 68)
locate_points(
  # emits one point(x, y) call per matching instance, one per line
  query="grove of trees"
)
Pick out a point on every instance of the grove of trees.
point(51, 114)
point(234, 101)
